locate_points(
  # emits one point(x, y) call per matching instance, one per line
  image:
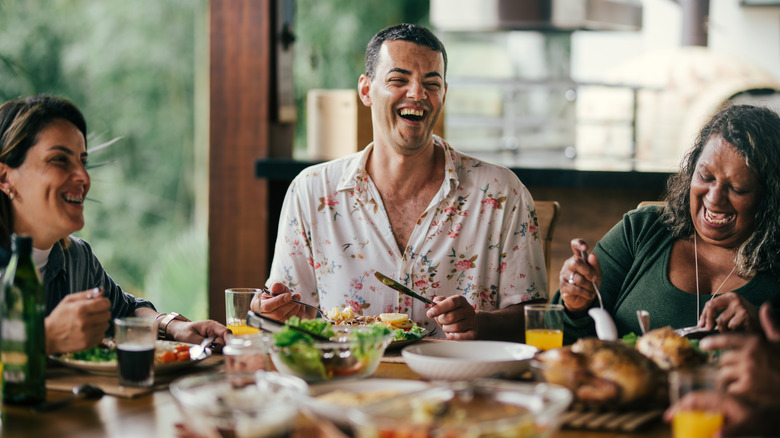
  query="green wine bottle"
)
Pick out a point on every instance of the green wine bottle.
point(23, 331)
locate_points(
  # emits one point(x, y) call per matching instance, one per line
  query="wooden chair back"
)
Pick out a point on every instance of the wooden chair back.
point(658, 203)
point(547, 216)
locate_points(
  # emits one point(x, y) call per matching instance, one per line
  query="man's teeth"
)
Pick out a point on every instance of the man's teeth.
point(717, 218)
point(411, 113)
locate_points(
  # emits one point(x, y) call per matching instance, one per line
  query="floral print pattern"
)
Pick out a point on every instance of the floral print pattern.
point(478, 238)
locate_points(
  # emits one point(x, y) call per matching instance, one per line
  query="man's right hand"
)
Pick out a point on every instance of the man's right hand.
point(78, 322)
point(278, 304)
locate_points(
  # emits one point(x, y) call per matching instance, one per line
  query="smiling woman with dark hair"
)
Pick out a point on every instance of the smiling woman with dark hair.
point(710, 257)
point(44, 181)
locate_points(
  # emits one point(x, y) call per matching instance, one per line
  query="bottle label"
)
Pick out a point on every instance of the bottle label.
point(14, 331)
point(14, 366)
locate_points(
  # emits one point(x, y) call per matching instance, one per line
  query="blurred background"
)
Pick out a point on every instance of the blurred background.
point(562, 84)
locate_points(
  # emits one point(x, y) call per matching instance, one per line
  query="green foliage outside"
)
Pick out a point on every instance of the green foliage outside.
point(138, 70)
point(330, 44)
point(131, 66)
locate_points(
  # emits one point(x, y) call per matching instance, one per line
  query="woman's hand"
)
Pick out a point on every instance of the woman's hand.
point(78, 322)
point(196, 331)
point(278, 305)
point(577, 279)
point(731, 313)
point(750, 364)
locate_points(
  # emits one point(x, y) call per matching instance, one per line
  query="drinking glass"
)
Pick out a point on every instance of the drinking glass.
point(544, 326)
point(246, 353)
point(692, 423)
point(135, 339)
point(236, 307)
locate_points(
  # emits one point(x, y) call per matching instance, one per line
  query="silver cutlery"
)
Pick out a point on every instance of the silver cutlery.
point(85, 391)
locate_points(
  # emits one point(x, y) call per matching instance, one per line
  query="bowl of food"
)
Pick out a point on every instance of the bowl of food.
point(263, 404)
point(464, 360)
point(350, 352)
point(476, 409)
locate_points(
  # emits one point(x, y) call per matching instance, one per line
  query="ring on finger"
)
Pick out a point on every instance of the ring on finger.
point(571, 278)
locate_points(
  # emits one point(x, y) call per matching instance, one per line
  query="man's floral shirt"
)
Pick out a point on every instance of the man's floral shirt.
point(478, 238)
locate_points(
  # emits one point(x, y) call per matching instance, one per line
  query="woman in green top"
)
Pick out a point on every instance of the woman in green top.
point(710, 256)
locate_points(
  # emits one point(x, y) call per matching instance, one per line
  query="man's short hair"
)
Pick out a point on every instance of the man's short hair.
point(402, 32)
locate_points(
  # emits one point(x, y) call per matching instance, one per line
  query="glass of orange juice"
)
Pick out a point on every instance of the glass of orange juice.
point(236, 307)
point(690, 423)
point(544, 326)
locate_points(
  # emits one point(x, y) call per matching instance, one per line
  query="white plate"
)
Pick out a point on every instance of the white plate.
point(338, 413)
point(109, 368)
point(465, 360)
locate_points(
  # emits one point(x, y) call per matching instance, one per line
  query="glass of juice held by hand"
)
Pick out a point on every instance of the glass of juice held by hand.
point(236, 307)
point(544, 326)
point(135, 339)
point(694, 423)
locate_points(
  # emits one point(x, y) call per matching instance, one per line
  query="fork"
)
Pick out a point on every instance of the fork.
point(315, 308)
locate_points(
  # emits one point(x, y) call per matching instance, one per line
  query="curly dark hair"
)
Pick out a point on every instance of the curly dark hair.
point(20, 122)
point(402, 32)
point(755, 133)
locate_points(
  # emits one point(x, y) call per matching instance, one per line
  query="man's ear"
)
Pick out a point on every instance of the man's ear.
point(364, 87)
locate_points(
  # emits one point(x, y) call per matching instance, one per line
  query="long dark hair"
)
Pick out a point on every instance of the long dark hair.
point(755, 133)
point(20, 122)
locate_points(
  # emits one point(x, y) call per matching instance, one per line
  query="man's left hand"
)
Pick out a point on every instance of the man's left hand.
point(455, 316)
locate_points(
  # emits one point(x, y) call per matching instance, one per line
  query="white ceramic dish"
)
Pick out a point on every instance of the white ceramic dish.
point(366, 391)
point(109, 368)
point(466, 360)
point(478, 409)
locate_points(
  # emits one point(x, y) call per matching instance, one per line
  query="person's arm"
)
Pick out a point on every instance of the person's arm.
point(292, 264)
point(507, 324)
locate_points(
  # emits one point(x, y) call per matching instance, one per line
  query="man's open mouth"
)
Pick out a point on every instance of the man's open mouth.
point(413, 115)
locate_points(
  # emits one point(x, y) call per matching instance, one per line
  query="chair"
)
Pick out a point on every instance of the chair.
point(547, 217)
point(658, 203)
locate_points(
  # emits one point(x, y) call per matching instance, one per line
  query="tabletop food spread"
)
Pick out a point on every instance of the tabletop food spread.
point(601, 386)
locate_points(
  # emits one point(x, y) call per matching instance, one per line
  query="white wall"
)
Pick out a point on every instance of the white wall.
point(751, 33)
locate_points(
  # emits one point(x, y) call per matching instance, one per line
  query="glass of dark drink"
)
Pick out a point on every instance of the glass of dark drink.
point(135, 339)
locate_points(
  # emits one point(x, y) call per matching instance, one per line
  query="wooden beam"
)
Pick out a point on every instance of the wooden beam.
point(241, 59)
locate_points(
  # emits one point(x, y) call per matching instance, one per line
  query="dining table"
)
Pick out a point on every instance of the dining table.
point(154, 412)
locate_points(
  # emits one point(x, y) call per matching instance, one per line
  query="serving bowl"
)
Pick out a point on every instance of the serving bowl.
point(481, 408)
point(263, 404)
point(465, 360)
point(354, 352)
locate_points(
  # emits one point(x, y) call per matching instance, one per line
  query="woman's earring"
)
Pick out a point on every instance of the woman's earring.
point(11, 195)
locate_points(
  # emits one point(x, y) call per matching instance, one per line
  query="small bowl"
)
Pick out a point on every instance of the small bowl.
point(262, 404)
point(354, 353)
point(481, 408)
point(465, 360)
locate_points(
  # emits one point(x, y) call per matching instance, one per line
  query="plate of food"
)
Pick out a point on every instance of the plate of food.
point(404, 329)
point(333, 400)
point(169, 356)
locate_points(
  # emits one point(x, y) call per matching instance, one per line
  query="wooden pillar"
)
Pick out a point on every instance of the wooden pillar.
point(241, 75)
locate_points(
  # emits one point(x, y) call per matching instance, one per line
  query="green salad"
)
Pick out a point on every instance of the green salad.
point(98, 353)
point(412, 334)
point(356, 353)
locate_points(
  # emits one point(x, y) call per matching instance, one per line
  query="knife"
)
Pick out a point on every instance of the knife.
point(401, 288)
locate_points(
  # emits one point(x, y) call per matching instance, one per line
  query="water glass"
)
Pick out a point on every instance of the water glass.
point(237, 302)
point(246, 353)
point(692, 423)
point(544, 326)
point(135, 339)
